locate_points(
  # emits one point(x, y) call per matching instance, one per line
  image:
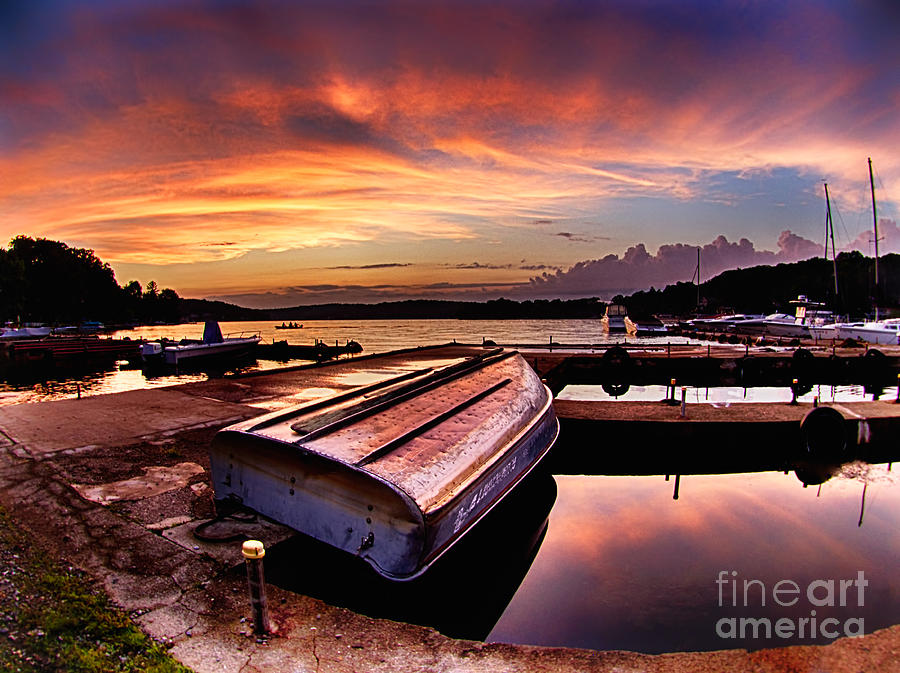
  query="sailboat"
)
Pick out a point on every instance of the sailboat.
point(872, 331)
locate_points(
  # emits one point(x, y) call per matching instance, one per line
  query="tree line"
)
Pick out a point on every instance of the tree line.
point(47, 281)
point(767, 289)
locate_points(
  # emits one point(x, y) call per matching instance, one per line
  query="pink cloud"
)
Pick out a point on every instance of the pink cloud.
point(638, 269)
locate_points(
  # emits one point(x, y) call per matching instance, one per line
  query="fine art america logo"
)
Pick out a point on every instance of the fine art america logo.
point(753, 594)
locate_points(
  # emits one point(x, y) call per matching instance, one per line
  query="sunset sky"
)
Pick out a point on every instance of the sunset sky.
point(283, 153)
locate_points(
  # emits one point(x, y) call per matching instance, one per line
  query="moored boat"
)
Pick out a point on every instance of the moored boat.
point(212, 346)
point(646, 326)
point(613, 320)
point(885, 332)
point(394, 472)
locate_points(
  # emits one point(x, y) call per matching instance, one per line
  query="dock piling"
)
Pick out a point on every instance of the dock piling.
point(253, 552)
point(670, 394)
point(683, 401)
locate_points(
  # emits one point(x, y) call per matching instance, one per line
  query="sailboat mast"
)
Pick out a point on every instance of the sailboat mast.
point(875, 225)
point(829, 229)
point(874, 219)
point(698, 278)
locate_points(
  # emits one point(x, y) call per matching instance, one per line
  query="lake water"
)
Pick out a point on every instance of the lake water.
point(608, 562)
point(625, 566)
point(376, 336)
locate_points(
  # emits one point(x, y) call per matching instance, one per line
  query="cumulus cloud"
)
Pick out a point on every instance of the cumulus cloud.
point(888, 239)
point(638, 269)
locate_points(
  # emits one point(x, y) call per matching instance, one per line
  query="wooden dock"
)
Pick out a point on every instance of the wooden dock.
point(631, 437)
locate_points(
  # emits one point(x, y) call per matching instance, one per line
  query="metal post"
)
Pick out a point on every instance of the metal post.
point(677, 485)
point(254, 551)
point(683, 403)
point(78, 388)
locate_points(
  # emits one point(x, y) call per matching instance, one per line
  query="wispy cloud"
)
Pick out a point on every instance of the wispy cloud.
point(147, 130)
point(388, 265)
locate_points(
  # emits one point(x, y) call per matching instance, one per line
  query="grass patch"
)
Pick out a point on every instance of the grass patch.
point(52, 618)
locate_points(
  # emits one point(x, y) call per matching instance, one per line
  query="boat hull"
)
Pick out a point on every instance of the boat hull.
point(232, 348)
point(870, 334)
point(401, 506)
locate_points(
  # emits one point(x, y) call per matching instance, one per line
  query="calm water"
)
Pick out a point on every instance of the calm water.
point(606, 562)
point(624, 566)
point(376, 336)
point(724, 396)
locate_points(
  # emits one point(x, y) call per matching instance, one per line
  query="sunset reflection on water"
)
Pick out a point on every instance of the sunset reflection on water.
point(624, 566)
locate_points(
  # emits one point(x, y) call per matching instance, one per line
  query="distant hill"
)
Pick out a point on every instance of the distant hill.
point(765, 289)
point(759, 289)
point(433, 308)
point(193, 310)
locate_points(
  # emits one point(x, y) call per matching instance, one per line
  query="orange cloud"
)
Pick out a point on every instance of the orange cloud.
point(154, 134)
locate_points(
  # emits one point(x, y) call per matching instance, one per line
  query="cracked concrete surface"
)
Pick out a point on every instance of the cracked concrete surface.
point(196, 603)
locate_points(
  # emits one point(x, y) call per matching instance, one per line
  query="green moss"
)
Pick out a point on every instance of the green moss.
point(52, 618)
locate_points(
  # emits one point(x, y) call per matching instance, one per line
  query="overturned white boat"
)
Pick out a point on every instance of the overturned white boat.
point(397, 471)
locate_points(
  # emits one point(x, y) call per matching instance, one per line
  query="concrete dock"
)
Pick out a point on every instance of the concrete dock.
point(115, 484)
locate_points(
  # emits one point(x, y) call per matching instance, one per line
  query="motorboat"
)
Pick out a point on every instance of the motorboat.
point(613, 320)
point(395, 472)
point(764, 324)
point(26, 332)
point(212, 346)
point(729, 322)
point(874, 332)
point(807, 314)
point(648, 326)
point(831, 331)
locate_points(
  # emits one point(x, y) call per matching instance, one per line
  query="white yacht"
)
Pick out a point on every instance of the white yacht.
point(875, 332)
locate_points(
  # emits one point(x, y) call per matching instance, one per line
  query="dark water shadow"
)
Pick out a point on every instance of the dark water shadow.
point(462, 595)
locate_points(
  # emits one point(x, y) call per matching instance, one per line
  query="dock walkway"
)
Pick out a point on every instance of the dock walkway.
point(116, 483)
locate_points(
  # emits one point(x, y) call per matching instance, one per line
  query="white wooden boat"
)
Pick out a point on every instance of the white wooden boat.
point(397, 471)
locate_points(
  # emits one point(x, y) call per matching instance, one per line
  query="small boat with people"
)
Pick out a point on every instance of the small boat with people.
point(397, 471)
point(290, 325)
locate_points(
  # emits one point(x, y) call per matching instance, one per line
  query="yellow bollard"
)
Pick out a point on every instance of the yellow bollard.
point(254, 551)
